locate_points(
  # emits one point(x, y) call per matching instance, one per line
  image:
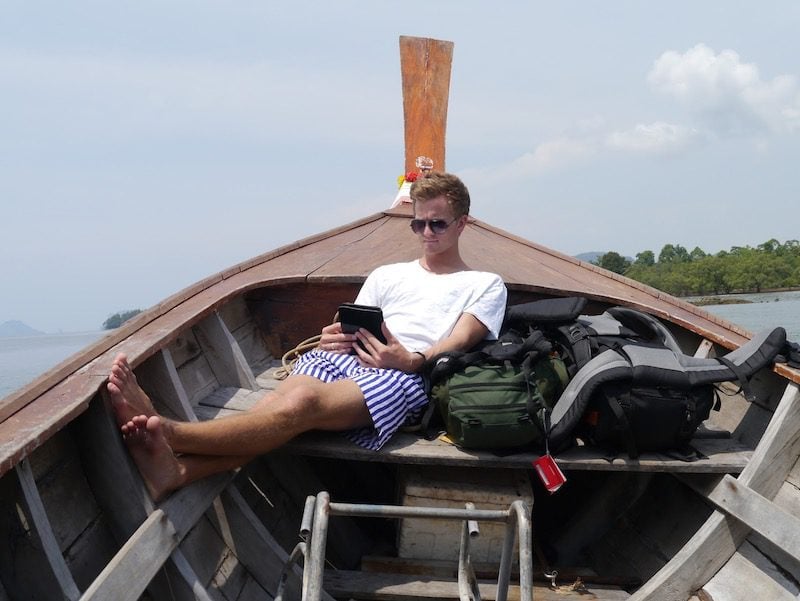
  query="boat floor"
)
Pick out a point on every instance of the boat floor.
point(400, 587)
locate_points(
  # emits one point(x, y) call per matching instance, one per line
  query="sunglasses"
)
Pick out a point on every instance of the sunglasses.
point(438, 226)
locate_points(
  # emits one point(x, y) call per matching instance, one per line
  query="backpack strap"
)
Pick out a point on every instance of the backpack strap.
point(578, 344)
point(625, 425)
point(536, 404)
point(741, 377)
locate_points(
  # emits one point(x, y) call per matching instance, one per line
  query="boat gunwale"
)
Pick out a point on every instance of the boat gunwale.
point(162, 324)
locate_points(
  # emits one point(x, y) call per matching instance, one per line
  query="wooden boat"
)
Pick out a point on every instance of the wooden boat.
point(77, 524)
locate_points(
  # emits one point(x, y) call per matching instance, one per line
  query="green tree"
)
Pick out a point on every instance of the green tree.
point(673, 253)
point(697, 254)
point(770, 246)
point(613, 261)
point(646, 258)
point(740, 269)
point(116, 320)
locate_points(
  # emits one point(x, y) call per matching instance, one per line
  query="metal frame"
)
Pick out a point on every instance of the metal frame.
point(314, 534)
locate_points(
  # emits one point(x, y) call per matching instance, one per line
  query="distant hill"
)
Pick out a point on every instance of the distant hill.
point(14, 329)
point(591, 257)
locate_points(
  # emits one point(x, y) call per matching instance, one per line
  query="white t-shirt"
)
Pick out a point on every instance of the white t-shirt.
point(420, 308)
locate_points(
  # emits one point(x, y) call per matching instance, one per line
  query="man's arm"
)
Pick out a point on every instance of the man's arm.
point(467, 332)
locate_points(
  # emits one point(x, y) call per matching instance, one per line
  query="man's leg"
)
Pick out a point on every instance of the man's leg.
point(161, 470)
point(299, 404)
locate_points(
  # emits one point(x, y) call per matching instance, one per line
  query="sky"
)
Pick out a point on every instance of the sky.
point(146, 145)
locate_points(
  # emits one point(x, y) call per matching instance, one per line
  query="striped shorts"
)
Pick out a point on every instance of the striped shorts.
point(394, 398)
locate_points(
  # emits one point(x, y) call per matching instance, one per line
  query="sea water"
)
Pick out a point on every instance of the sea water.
point(25, 358)
point(761, 311)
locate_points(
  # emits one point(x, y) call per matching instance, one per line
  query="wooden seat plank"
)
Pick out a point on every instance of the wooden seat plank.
point(723, 455)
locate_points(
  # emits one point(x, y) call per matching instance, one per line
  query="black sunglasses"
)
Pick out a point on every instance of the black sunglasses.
point(438, 226)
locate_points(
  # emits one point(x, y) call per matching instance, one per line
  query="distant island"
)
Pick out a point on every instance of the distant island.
point(17, 329)
point(116, 320)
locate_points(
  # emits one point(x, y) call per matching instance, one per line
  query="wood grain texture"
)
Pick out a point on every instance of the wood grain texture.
point(718, 539)
point(425, 65)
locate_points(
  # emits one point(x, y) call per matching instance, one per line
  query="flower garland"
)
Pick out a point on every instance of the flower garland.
point(409, 177)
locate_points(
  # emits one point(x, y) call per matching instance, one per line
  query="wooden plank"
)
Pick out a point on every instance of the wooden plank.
point(713, 544)
point(402, 587)
point(762, 515)
point(252, 591)
point(448, 570)
point(239, 321)
point(231, 577)
point(127, 575)
point(189, 575)
point(223, 353)
point(750, 575)
point(704, 349)
point(724, 455)
point(158, 376)
point(425, 65)
point(204, 550)
point(115, 481)
point(199, 379)
point(235, 314)
point(87, 556)
point(255, 546)
point(265, 373)
point(67, 487)
point(45, 531)
point(140, 558)
point(234, 399)
point(35, 423)
point(184, 347)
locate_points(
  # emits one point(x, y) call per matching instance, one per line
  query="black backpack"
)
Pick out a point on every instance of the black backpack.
point(621, 415)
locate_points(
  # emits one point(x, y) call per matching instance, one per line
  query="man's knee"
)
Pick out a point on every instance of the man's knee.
point(329, 406)
point(297, 399)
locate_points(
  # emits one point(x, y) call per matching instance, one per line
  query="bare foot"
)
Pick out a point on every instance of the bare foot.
point(157, 464)
point(127, 397)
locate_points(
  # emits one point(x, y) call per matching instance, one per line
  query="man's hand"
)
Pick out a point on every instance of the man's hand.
point(391, 355)
point(334, 340)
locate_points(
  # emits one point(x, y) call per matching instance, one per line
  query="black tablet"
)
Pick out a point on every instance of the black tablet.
point(354, 316)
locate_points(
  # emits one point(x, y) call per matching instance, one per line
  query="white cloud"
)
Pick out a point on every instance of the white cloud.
point(728, 94)
point(550, 156)
point(556, 154)
point(657, 138)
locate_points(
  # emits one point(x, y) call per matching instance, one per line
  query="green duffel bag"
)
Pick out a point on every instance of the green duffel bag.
point(496, 405)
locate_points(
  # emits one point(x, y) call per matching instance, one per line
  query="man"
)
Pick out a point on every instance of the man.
point(431, 305)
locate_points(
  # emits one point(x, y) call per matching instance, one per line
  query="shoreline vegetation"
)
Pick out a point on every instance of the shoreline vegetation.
point(716, 300)
point(769, 267)
point(732, 300)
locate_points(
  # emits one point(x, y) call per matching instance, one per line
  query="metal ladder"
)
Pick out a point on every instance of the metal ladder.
point(314, 532)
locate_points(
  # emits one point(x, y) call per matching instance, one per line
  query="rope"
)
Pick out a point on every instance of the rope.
point(290, 357)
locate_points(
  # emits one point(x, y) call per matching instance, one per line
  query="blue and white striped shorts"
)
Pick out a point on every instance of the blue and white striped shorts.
point(393, 397)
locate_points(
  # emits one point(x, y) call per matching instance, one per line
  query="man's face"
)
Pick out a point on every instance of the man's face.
point(438, 210)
